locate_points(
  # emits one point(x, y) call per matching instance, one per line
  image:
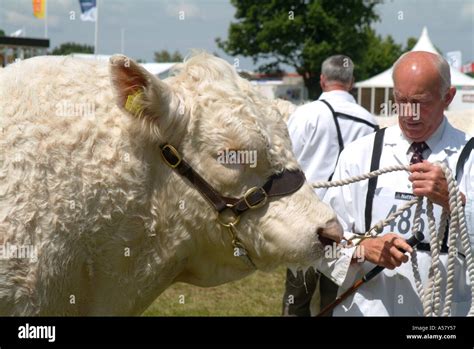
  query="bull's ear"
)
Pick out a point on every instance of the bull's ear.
point(138, 92)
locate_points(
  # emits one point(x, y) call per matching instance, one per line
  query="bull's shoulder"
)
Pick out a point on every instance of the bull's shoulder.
point(56, 90)
point(41, 65)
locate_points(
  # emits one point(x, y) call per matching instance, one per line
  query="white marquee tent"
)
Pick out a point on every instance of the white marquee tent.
point(373, 92)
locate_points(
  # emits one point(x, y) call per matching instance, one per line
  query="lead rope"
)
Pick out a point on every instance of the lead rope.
point(431, 295)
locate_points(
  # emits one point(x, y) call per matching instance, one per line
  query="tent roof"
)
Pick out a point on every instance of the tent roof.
point(424, 43)
point(158, 68)
point(380, 80)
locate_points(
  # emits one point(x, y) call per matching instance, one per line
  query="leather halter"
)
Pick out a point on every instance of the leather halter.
point(279, 184)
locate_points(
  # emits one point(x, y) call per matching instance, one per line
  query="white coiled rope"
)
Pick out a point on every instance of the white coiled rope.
point(431, 295)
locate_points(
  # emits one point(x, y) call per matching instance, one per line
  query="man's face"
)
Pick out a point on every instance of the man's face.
point(417, 90)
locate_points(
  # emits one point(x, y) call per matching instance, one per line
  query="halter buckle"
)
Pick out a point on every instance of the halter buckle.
point(174, 152)
point(252, 191)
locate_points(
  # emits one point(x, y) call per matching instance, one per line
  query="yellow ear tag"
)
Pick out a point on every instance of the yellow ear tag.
point(133, 103)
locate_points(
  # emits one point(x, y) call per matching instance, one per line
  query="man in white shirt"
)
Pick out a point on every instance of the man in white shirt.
point(319, 131)
point(422, 85)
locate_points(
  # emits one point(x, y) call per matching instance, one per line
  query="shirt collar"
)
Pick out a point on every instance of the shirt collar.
point(337, 94)
point(434, 139)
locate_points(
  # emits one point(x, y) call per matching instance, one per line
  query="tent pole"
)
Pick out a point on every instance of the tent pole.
point(372, 100)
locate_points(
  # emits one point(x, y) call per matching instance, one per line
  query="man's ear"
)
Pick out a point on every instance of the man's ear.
point(138, 92)
point(448, 97)
point(322, 81)
point(350, 85)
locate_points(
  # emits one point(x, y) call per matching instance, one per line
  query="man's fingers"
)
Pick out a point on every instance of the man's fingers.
point(420, 167)
point(398, 256)
point(402, 245)
point(425, 177)
point(387, 264)
point(421, 191)
point(392, 255)
point(391, 263)
point(417, 176)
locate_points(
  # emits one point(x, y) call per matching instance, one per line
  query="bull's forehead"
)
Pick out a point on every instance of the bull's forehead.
point(242, 121)
point(225, 111)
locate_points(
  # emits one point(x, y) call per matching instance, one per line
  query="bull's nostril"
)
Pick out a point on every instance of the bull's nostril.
point(325, 241)
point(331, 231)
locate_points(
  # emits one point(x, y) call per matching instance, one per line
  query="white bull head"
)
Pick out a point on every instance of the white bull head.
point(215, 119)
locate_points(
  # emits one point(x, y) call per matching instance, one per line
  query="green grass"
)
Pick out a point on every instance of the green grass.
point(259, 294)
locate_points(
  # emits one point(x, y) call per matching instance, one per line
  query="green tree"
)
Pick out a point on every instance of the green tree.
point(2, 33)
point(299, 33)
point(411, 42)
point(380, 55)
point(71, 47)
point(164, 56)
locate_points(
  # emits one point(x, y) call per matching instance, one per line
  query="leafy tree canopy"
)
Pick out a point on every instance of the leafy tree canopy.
point(164, 56)
point(302, 34)
point(72, 47)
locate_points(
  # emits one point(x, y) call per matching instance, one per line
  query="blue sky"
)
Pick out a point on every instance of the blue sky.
point(152, 25)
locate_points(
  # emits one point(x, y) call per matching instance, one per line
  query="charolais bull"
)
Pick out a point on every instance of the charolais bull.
point(115, 185)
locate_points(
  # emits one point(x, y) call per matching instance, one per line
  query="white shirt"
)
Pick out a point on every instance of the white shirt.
point(393, 292)
point(314, 136)
point(431, 142)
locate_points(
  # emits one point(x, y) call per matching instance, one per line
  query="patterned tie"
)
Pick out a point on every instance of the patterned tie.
point(418, 148)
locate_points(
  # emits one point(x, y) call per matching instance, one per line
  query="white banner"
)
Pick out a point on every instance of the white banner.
point(454, 59)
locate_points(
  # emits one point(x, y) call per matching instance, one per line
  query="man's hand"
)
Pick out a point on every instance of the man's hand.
point(428, 180)
point(384, 250)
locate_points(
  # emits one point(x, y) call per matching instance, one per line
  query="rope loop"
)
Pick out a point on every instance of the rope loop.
point(430, 295)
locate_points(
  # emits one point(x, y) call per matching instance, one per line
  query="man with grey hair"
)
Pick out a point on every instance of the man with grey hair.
point(319, 131)
point(423, 136)
point(337, 69)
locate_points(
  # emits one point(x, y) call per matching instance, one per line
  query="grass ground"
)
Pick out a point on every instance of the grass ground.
point(257, 295)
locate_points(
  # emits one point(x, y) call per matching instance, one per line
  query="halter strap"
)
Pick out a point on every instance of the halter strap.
point(279, 184)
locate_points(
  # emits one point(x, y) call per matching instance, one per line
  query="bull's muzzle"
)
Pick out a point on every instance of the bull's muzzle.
point(331, 232)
